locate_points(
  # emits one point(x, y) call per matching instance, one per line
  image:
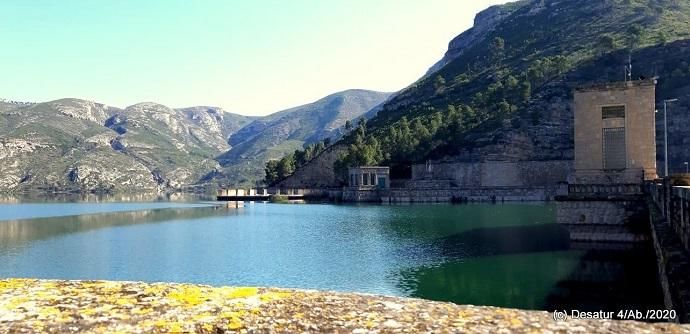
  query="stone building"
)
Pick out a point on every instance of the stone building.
point(615, 133)
point(369, 177)
point(615, 152)
point(367, 184)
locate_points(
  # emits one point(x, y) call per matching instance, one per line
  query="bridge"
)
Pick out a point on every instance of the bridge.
point(259, 195)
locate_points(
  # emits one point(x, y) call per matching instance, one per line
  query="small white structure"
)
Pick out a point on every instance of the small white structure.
point(369, 177)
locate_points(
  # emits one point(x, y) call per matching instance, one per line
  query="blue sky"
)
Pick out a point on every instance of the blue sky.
point(249, 57)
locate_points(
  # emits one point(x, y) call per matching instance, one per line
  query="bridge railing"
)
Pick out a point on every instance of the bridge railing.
point(674, 204)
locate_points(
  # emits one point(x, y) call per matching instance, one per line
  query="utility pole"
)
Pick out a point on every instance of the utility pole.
point(666, 136)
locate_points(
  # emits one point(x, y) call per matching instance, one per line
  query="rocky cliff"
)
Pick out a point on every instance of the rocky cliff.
point(81, 146)
point(484, 22)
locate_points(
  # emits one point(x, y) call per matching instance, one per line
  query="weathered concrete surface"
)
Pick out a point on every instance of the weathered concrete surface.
point(108, 307)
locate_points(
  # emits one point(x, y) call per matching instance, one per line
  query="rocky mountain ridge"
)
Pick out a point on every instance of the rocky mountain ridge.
point(273, 136)
point(484, 22)
point(74, 145)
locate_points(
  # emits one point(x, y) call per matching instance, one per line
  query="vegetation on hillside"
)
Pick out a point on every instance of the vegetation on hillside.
point(279, 169)
point(276, 137)
point(493, 82)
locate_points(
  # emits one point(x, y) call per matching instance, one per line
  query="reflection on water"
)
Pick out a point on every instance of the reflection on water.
point(15, 233)
point(103, 198)
point(61, 209)
point(505, 255)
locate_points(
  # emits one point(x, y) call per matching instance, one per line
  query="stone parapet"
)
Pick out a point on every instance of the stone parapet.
point(604, 220)
point(40, 306)
point(499, 194)
point(673, 263)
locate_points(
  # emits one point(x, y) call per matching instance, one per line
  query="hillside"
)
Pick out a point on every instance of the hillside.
point(278, 134)
point(503, 91)
point(73, 145)
point(82, 146)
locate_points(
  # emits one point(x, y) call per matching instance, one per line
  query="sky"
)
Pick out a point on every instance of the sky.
point(252, 57)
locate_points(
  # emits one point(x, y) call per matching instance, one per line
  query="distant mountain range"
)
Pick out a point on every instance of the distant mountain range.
point(73, 145)
point(273, 136)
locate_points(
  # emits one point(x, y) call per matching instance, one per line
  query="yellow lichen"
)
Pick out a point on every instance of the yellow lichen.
point(515, 322)
point(125, 301)
point(175, 327)
point(189, 295)
point(234, 324)
point(241, 292)
point(274, 295)
point(141, 311)
point(14, 283)
point(49, 311)
point(16, 302)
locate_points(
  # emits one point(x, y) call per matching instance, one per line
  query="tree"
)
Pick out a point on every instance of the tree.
point(271, 171)
point(526, 91)
point(348, 125)
point(661, 38)
point(439, 84)
point(606, 44)
point(496, 50)
point(634, 36)
point(286, 166)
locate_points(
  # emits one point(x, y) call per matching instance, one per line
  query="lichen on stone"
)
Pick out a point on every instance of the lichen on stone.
point(38, 306)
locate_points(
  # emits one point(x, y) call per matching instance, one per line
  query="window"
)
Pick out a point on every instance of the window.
point(365, 179)
point(613, 112)
point(614, 148)
point(352, 180)
point(373, 178)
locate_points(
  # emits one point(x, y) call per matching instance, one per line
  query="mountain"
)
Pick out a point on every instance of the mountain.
point(73, 145)
point(273, 136)
point(484, 23)
point(503, 91)
point(82, 146)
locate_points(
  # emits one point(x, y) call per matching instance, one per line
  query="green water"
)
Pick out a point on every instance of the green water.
point(510, 255)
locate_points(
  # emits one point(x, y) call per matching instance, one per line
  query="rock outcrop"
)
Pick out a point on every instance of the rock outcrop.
point(73, 145)
point(484, 23)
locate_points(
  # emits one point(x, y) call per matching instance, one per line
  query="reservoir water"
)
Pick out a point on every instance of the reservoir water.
point(511, 255)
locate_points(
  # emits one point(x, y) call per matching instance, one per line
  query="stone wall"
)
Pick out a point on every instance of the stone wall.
point(669, 225)
point(498, 173)
point(498, 194)
point(674, 206)
point(42, 306)
point(606, 221)
point(363, 195)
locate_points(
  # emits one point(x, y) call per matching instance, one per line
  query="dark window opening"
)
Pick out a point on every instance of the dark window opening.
point(614, 148)
point(613, 112)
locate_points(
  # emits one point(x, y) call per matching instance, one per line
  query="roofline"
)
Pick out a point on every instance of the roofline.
point(616, 85)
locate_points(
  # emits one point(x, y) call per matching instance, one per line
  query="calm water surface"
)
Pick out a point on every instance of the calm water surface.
point(510, 255)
